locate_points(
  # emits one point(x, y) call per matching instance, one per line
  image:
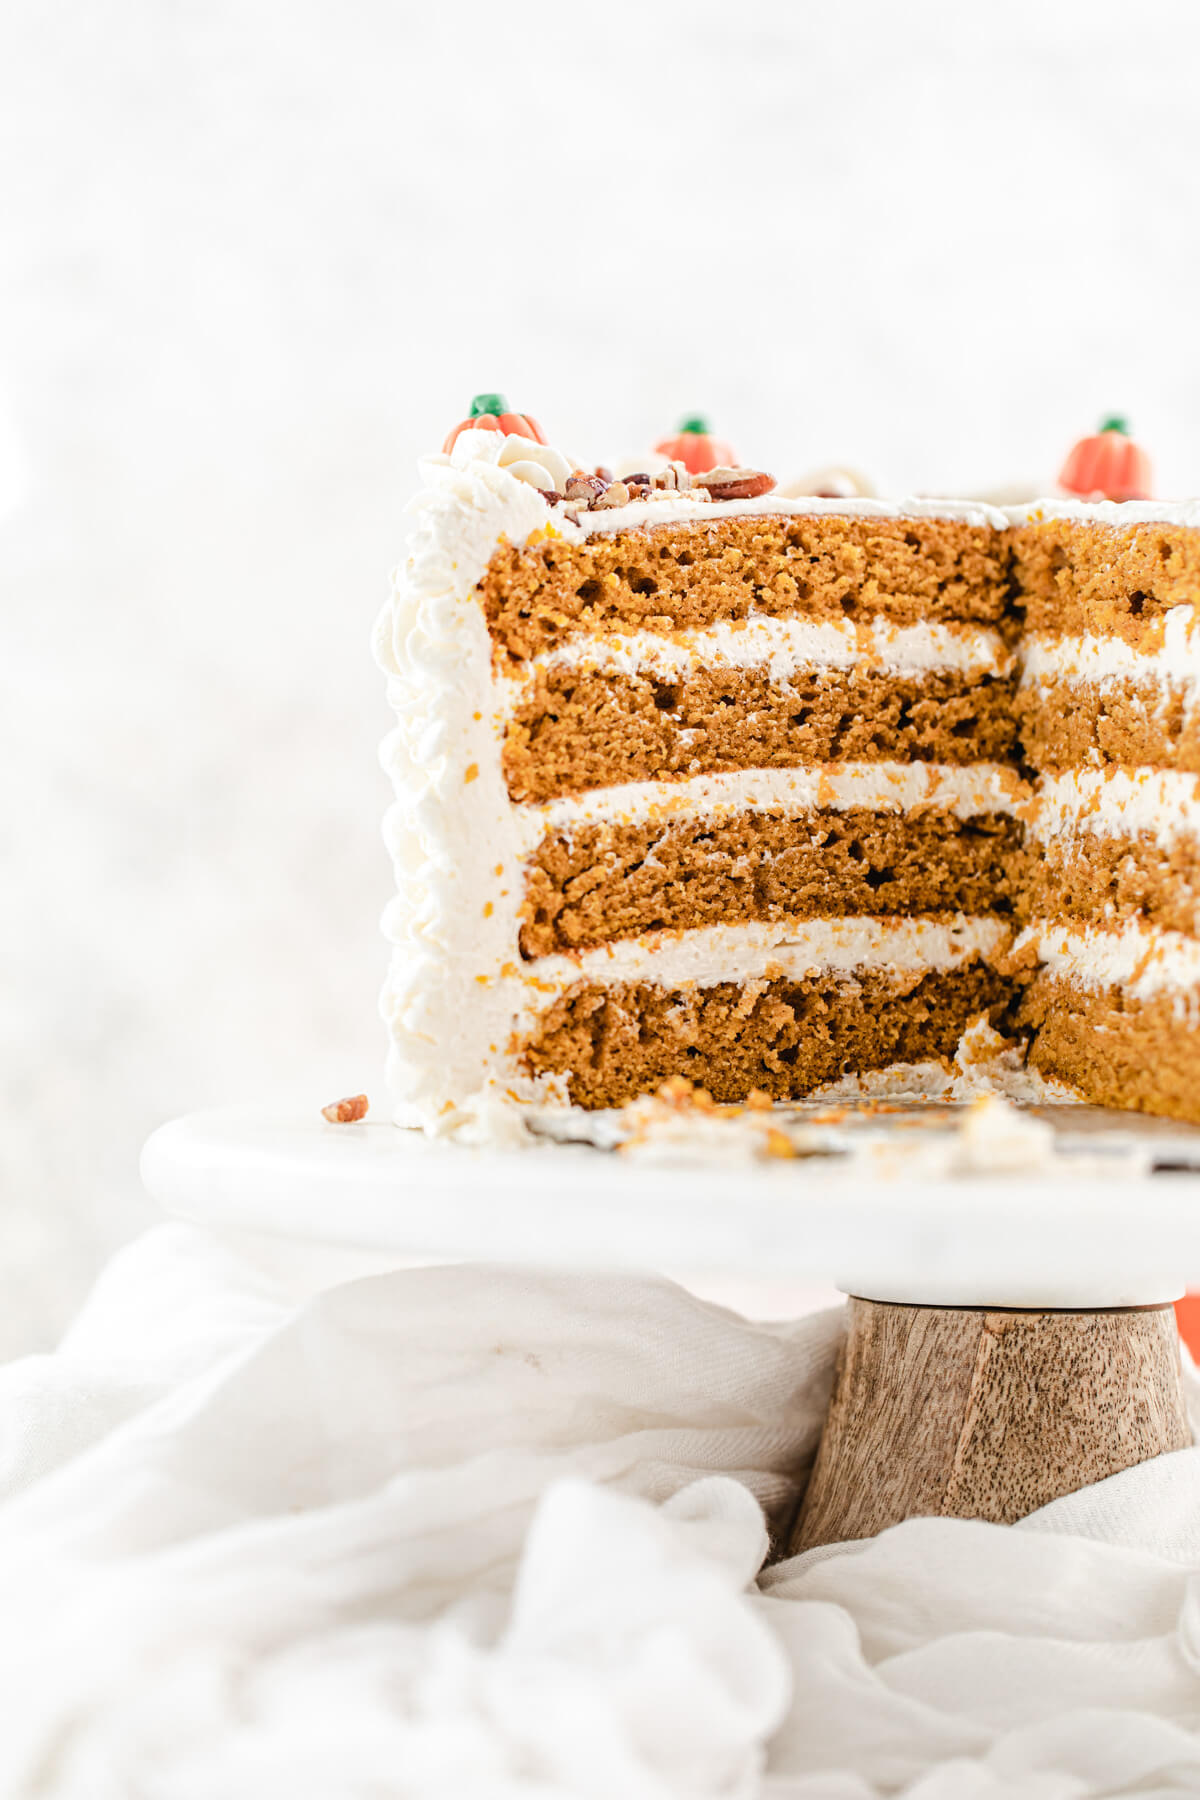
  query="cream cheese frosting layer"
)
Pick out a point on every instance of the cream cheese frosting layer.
point(1121, 514)
point(784, 646)
point(714, 954)
point(1144, 960)
point(876, 786)
point(1090, 658)
point(1116, 802)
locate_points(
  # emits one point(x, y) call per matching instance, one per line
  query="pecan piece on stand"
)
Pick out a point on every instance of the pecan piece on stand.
point(735, 484)
point(346, 1112)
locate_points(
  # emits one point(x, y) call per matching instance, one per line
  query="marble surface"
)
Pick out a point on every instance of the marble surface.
point(1051, 1209)
point(256, 256)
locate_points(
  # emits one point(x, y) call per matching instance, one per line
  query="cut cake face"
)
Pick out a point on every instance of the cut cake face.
point(694, 779)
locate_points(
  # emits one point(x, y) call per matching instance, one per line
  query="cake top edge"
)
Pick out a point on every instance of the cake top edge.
point(1120, 513)
point(575, 505)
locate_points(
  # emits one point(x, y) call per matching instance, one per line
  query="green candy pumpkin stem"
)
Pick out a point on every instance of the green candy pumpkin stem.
point(697, 425)
point(488, 403)
point(1116, 423)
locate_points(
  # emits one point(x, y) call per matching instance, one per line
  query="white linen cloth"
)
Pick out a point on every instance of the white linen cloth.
point(472, 1532)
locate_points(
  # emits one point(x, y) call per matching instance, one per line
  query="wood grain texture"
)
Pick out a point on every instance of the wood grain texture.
point(971, 1414)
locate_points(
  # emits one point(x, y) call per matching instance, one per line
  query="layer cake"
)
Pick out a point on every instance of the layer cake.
point(696, 779)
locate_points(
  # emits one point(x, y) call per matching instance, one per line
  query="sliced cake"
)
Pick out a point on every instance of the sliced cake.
point(696, 779)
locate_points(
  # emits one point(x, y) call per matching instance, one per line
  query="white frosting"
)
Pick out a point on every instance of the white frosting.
point(791, 951)
point(1114, 802)
point(1046, 656)
point(984, 1063)
point(539, 465)
point(1121, 513)
point(662, 508)
point(1144, 960)
point(881, 786)
point(665, 508)
point(784, 646)
point(453, 921)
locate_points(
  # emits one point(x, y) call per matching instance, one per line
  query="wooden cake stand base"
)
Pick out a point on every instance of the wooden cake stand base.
point(982, 1413)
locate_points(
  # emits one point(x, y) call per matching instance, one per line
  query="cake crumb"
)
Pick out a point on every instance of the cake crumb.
point(677, 1091)
point(996, 1137)
point(988, 1063)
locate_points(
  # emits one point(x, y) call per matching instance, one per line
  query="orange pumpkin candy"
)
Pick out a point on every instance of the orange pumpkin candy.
point(489, 412)
point(1110, 464)
point(697, 449)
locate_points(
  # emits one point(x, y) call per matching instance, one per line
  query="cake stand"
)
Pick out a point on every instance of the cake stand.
point(1010, 1335)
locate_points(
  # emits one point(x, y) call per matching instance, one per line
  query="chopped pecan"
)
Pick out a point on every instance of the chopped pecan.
point(346, 1112)
point(582, 490)
point(675, 478)
point(615, 494)
point(736, 484)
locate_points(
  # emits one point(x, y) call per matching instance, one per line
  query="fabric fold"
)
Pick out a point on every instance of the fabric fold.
point(483, 1531)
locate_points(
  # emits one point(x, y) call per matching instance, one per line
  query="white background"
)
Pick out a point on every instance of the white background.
point(256, 256)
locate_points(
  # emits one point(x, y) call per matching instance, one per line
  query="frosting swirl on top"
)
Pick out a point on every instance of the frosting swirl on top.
point(541, 465)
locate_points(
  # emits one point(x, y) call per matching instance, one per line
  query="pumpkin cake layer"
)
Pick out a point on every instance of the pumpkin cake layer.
point(1081, 575)
point(571, 731)
point(1127, 696)
point(1113, 879)
point(1067, 725)
point(609, 881)
point(1114, 1010)
point(696, 572)
point(1114, 1048)
point(1111, 845)
point(609, 1043)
